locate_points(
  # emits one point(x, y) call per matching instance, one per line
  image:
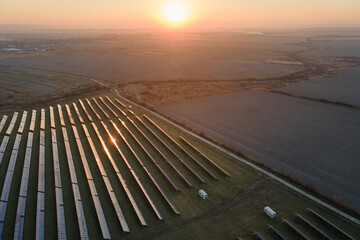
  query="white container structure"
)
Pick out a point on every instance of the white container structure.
point(271, 213)
point(203, 194)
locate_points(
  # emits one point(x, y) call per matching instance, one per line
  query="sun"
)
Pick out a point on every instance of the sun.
point(175, 14)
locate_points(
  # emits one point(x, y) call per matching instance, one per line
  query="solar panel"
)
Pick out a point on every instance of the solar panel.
point(40, 216)
point(102, 110)
point(99, 211)
point(205, 157)
point(21, 206)
point(30, 140)
point(344, 234)
point(12, 161)
point(85, 110)
point(61, 116)
point(4, 144)
point(52, 117)
point(277, 232)
point(6, 187)
point(3, 207)
point(69, 114)
point(158, 186)
point(107, 106)
point(12, 123)
point(60, 214)
point(136, 177)
point(24, 182)
point(258, 235)
point(82, 155)
point(92, 108)
point(17, 142)
point(41, 178)
point(114, 105)
point(80, 212)
point(3, 121)
point(78, 113)
point(53, 136)
point(295, 229)
point(42, 137)
point(150, 156)
point(42, 121)
point(120, 103)
point(122, 181)
point(175, 154)
point(27, 157)
point(76, 191)
point(22, 122)
point(33, 120)
point(19, 227)
point(316, 229)
point(163, 156)
point(94, 151)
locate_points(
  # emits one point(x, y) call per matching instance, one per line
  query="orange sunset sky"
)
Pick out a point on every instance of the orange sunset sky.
point(197, 14)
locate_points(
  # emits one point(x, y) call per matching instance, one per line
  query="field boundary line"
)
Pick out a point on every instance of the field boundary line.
point(252, 165)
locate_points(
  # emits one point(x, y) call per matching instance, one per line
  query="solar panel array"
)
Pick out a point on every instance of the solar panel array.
point(136, 144)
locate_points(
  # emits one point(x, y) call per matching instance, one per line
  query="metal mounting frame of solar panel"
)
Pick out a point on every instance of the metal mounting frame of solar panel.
point(180, 159)
point(121, 179)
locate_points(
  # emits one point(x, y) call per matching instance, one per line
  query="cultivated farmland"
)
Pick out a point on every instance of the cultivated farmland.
point(95, 169)
point(314, 143)
point(342, 88)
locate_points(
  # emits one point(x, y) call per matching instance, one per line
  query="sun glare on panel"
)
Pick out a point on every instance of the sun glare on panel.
point(175, 14)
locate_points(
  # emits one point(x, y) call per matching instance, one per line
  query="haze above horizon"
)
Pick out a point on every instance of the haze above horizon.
point(197, 14)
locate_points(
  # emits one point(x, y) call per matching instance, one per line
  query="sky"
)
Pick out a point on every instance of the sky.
point(199, 13)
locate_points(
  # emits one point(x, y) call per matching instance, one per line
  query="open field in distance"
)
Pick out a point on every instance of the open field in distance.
point(343, 88)
point(312, 142)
